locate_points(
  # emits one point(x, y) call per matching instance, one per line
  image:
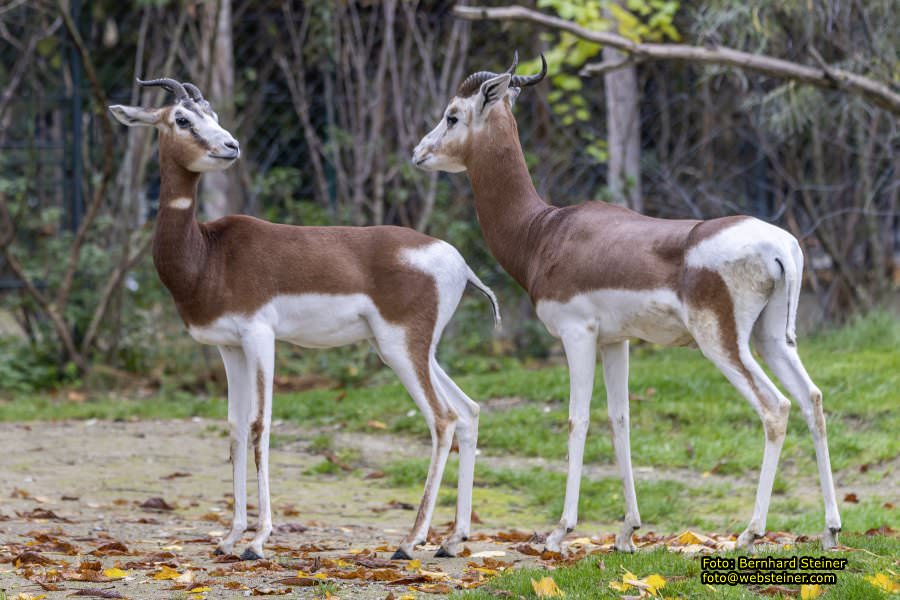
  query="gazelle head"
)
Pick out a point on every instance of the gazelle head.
point(480, 100)
point(189, 129)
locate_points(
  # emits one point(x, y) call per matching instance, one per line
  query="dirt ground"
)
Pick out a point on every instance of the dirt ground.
point(93, 476)
point(69, 488)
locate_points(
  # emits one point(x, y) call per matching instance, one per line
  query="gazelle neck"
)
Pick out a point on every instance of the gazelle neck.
point(179, 246)
point(508, 206)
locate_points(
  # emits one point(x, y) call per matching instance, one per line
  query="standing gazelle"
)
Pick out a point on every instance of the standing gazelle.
point(597, 272)
point(240, 283)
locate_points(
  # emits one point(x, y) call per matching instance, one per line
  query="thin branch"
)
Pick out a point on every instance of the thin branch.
point(108, 159)
point(876, 92)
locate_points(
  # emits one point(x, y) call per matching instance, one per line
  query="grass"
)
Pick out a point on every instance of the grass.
point(590, 578)
point(683, 413)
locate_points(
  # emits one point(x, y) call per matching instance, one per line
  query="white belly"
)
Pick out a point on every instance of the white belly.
point(308, 320)
point(656, 316)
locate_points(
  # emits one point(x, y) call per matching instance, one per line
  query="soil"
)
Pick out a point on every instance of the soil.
point(93, 476)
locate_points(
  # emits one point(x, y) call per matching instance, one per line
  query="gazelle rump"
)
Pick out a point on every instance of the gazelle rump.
point(599, 273)
point(241, 283)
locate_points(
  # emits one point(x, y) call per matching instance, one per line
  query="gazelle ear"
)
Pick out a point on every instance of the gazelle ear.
point(136, 115)
point(493, 90)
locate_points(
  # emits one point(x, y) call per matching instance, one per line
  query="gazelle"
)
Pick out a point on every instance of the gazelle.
point(602, 273)
point(241, 283)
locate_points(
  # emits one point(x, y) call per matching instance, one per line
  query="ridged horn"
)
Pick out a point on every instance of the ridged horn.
point(471, 83)
point(168, 84)
point(527, 80)
point(193, 91)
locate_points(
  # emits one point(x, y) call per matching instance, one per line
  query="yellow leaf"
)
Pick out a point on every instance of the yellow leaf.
point(546, 588)
point(407, 597)
point(200, 590)
point(24, 596)
point(689, 537)
point(414, 565)
point(486, 571)
point(884, 582)
point(343, 563)
point(810, 592)
point(320, 576)
point(167, 573)
point(654, 582)
point(619, 586)
point(115, 573)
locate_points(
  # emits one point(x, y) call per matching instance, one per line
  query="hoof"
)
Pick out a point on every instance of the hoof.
point(401, 554)
point(626, 546)
point(442, 553)
point(830, 538)
point(219, 552)
point(250, 554)
point(746, 539)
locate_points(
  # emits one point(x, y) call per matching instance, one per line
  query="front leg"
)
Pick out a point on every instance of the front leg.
point(580, 345)
point(615, 375)
point(239, 401)
point(259, 348)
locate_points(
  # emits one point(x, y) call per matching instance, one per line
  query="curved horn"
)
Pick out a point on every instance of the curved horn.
point(193, 91)
point(515, 63)
point(168, 84)
point(527, 80)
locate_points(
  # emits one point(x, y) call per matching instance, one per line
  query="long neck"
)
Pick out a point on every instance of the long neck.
point(509, 208)
point(179, 247)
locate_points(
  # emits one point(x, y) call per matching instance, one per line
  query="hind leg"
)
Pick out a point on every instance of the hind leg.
point(467, 436)
point(411, 360)
point(736, 362)
point(785, 363)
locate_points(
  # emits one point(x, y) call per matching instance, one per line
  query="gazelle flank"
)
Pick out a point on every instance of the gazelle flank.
point(241, 283)
point(599, 273)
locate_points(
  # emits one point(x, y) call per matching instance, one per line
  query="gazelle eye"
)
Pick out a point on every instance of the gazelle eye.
point(182, 122)
point(451, 120)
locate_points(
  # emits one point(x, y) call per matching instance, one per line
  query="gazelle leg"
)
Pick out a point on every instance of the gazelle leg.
point(785, 363)
point(615, 375)
point(580, 345)
point(239, 407)
point(751, 381)
point(467, 436)
point(411, 360)
point(259, 349)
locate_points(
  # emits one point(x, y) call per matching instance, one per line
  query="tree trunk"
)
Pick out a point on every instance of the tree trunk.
point(221, 192)
point(623, 124)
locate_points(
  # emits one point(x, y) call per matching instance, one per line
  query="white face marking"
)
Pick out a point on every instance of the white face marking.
point(181, 203)
point(220, 148)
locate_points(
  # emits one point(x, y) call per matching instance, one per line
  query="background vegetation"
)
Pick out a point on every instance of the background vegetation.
point(328, 100)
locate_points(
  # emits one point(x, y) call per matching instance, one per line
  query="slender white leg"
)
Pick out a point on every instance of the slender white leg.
point(239, 407)
point(785, 363)
point(772, 407)
point(615, 375)
point(467, 436)
point(259, 350)
point(580, 346)
point(403, 357)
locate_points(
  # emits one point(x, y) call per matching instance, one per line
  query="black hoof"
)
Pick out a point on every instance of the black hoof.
point(441, 553)
point(218, 552)
point(401, 554)
point(249, 554)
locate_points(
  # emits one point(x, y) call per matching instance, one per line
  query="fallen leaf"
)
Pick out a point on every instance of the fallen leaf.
point(166, 572)
point(97, 593)
point(175, 475)
point(376, 424)
point(115, 573)
point(200, 589)
point(156, 503)
point(810, 592)
point(111, 549)
point(654, 582)
point(299, 581)
point(546, 588)
point(884, 582)
point(32, 558)
point(267, 591)
point(851, 498)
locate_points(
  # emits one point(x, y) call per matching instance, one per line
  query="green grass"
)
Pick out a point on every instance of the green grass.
point(587, 580)
point(684, 414)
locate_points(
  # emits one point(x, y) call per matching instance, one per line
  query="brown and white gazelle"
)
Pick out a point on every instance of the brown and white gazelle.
point(598, 272)
point(241, 283)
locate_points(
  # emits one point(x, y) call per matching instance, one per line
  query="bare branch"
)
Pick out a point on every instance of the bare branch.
point(827, 77)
